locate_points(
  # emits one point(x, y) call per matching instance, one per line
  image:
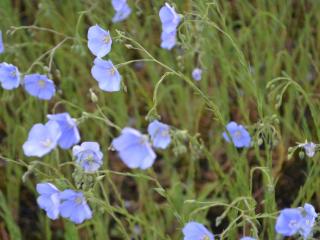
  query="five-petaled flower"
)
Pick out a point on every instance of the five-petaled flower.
point(9, 76)
point(74, 206)
point(99, 41)
point(49, 199)
point(239, 135)
point(160, 134)
point(196, 231)
point(42, 139)
point(88, 156)
point(39, 86)
point(134, 149)
point(107, 75)
point(122, 10)
point(69, 130)
point(247, 238)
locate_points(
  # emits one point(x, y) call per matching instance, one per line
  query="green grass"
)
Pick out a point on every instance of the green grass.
point(241, 46)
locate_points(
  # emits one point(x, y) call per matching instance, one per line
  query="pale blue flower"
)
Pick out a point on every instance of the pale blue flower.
point(9, 76)
point(107, 75)
point(69, 130)
point(309, 217)
point(39, 86)
point(309, 148)
point(289, 222)
point(134, 149)
point(168, 40)
point(196, 231)
point(197, 74)
point(160, 134)
point(118, 4)
point(1, 43)
point(247, 238)
point(239, 135)
point(74, 206)
point(169, 18)
point(88, 156)
point(170, 21)
point(42, 139)
point(49, 199)
point(122, 10)
point(99, 41)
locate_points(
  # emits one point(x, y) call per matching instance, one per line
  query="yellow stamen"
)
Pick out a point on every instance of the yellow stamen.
point(41, 83)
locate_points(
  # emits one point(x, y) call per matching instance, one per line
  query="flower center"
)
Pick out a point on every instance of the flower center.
point(237, 134)
point(164, 133)
point(106, 39)
point(41, 83)
point(205, 237)
point(46, 143)
point(89, 158)
point(293, 224)
point(79, 200)
point(112, 71)
point(13, 74)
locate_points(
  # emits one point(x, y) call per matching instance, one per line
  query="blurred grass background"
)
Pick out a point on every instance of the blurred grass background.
point(240, 45)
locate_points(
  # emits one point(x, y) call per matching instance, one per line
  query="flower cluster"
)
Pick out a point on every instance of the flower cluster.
point(122, 10)
point(36, 85)
point(68, 203)
point(170, 21)
point(293, 221)
point(135, 148)
point(60, 130)
point(104, 72)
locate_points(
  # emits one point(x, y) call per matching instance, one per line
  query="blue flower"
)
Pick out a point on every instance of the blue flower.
point(42, 139)
point(247, 238)
point(170, 21)
point(309, 218)
point(39, 86)
point(69, 131)
point(106, 74)
point(9, 76)
point(74, 206)
point(196, 231)
point(134, 149)
point(99, 41)
point(88, 156)
point(239, 135)
point(160, 134)
point(49, 199)
point(289, 222)
point(197, 74)
point(1, 43)
point(169, 18)
point(122, 10)
point(118, 4)
point(168, 40)
point(309, 148)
